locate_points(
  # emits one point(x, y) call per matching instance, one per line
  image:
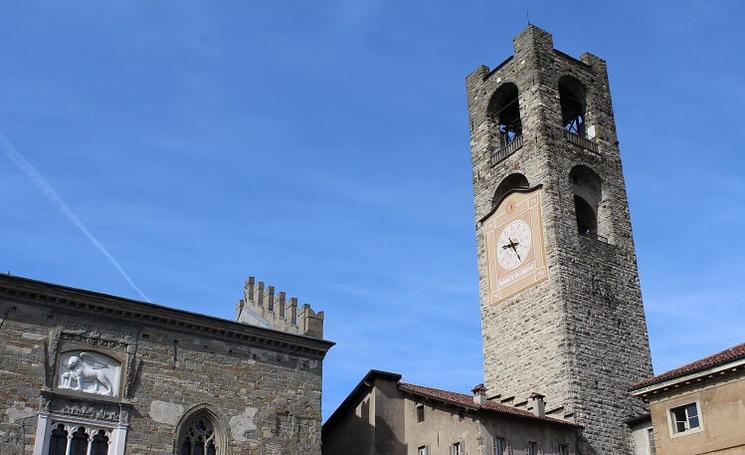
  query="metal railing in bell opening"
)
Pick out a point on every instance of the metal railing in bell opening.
point(503, 151)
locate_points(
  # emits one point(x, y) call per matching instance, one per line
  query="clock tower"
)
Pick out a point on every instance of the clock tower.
point(561, 307)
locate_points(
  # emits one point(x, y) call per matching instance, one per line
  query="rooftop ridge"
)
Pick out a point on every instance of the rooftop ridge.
point(466, 401)
point(733, 353)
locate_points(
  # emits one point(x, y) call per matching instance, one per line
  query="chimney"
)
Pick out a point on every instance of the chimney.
point(479, 394)
point(537, 404)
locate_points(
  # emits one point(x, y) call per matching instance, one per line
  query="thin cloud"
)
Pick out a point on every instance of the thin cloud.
point(49, 192)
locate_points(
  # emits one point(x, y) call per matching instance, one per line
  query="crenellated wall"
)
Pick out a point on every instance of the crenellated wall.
point(263, 306)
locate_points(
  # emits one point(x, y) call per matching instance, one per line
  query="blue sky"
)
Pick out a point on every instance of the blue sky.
point(323, 147)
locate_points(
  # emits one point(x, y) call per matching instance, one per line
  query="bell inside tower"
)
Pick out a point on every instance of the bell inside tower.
point(504, 110)
point(572, 97)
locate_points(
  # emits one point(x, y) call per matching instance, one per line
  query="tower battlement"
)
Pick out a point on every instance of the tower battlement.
point(263, 306)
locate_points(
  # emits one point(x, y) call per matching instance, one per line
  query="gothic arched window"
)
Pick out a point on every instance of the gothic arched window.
point(100, 443)
point(79, 442)
point(65, 438)
point(200, 435)
point(58, 441)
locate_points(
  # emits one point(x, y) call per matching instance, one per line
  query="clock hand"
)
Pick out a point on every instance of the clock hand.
point(512, 245)
point(515, 250)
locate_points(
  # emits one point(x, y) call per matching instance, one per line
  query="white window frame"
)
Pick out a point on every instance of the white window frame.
point(419, 450)
point(456, 448)
point(117, 431)
point(671, 423)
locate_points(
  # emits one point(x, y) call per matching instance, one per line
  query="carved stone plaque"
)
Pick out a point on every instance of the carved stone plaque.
point(89, 372)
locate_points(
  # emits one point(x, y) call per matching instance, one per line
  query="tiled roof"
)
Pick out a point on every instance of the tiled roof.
point(726, 356)
point(466, 401)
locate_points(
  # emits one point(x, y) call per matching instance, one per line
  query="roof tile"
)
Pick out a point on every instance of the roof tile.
point(466, 401)
point(728, 355)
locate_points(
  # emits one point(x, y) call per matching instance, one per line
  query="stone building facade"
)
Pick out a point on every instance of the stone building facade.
point(561, 306)
point(384, 416)
point(84, 373)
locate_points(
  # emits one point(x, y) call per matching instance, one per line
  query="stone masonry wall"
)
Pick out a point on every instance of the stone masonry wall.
point(265, 396)
point(580, 336)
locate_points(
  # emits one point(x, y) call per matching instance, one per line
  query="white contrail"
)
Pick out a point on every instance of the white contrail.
point(45, 187)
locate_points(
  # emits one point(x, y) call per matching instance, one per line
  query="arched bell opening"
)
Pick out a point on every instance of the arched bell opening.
point(573, 99)
point(504, 114)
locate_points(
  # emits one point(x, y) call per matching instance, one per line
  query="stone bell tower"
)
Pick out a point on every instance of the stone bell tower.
point(561, 307)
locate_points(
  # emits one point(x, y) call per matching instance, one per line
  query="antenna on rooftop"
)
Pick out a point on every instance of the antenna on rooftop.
point(527, 15)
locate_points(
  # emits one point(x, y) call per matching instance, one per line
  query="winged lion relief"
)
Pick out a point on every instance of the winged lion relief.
point(89, 372)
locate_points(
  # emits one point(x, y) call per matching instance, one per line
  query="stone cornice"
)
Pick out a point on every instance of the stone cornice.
point(133, 311)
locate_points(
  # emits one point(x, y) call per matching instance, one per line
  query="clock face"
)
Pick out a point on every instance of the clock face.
point(515, 253)
point(514, 244)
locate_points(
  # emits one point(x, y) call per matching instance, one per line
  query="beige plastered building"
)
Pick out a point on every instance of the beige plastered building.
point(384, 416)
point(698, 408)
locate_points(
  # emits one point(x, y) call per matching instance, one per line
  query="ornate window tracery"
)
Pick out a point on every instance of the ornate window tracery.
point(71, 439)
point(200, 435)
point(67, 435)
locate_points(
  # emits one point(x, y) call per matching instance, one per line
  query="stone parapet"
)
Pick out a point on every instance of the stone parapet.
point(263, 306)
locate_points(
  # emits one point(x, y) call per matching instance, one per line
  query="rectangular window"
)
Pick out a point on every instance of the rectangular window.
point(563, 449)
point(532, 448)
point(422, 450)
point(420, 413)
point(456, 449)
point(500, 446)
point(685, 418)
